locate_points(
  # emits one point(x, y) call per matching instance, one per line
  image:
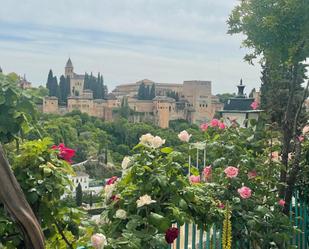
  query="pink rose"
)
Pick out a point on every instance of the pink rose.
point(221, 125)
point(244, 192)
point(214, 122)
point(306, 129)
point(204, 127)
point(254, 105)
point(252, 174)
point(98, 240)
point(231, 172)
point(301, 138)
point(281, 202)
point(221, 205)
point(184, 136)
point(275, 156)
point(207, 172)
point(195, 179)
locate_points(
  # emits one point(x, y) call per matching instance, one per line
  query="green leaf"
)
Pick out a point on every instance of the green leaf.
point(167, 150)
point(159, 221)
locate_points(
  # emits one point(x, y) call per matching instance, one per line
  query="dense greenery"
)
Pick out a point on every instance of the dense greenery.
point(90, 136)
point(16, 110)
point(277, 32)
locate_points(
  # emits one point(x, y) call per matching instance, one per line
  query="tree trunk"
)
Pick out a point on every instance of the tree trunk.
point(16, 204)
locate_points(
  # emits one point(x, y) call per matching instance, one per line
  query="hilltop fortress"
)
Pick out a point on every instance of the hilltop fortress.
point(148, 100)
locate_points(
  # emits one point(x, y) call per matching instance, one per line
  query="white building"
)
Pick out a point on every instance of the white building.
point(82, 179)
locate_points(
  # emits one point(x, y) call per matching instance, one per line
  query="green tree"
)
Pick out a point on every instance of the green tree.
point(49, 82)
point(277, 31)
point(142, 91)
point(79, 195)
point(224, 97)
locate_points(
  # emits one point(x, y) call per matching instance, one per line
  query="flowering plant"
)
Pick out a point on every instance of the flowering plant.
point(159, 188)
point(153, 194)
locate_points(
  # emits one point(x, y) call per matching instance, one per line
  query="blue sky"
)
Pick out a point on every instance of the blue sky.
point(126, 40)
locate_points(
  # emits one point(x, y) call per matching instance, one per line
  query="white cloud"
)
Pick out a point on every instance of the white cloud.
point(165, 40)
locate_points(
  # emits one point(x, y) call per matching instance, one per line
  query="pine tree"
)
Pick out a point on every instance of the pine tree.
point(79, 195)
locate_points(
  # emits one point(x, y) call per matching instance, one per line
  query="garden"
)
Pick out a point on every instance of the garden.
point(218, 186)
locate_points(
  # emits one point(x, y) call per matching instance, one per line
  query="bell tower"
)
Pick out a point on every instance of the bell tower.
point(68, 70)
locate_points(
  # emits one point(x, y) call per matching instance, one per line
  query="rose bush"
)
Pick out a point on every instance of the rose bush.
point(153, 194)
point(157, 190)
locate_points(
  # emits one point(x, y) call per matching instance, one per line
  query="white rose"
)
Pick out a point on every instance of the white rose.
point(157, 142)
point(144, 200)
point(121, 214)
point(125, 162)
point(184, 136)
point(146, 139)
point(109, 191)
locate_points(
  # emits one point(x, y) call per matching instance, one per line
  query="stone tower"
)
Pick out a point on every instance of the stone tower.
point(68, 70)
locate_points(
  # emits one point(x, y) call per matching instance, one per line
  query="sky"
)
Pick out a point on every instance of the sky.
point(166, 41)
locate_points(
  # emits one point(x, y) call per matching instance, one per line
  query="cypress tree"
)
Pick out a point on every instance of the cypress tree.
point(79, 195)
point(68, 88)
point(147, 93)
point(90, 201)
point(49, 82)
point(142, 91)
point(54, 88)
point(103, 87)
point(63, 89)
point(105, 157)
point(152, 92)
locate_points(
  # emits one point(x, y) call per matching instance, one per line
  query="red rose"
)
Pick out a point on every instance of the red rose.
point(64, 152)
point(115, 198)
point(111, 180)
point(171, 234)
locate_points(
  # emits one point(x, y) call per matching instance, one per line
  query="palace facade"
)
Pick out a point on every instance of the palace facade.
point(194, 103)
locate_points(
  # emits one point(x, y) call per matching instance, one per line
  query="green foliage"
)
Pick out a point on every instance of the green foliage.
point(145, 92)
point(16, 110)
point(44, 179)
point(37, 94)
point(64, 89)
point(173, 94)
point(52, 85)
point(162, 174)
point(224, 97)
point(159, 174)
point(96, 84)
